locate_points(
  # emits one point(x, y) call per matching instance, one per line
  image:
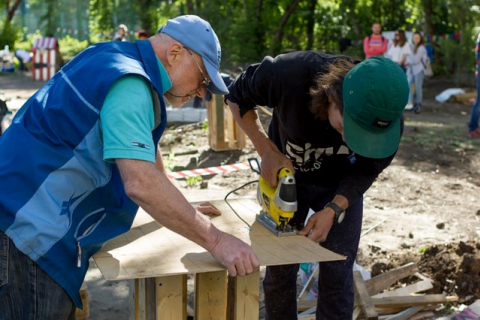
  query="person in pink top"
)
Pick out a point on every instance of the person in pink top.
point(375, 44)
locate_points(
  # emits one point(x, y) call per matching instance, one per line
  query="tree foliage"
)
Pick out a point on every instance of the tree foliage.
point(251, 29)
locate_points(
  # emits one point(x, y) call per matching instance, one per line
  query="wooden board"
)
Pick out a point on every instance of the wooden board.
point(364, 299)
point(243, 297)
point(150, 250)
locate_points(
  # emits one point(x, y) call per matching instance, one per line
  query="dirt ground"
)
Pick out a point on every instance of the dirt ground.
point(423, 208)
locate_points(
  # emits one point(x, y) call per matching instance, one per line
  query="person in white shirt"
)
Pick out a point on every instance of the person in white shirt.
point(400, 50)
point(416, 61)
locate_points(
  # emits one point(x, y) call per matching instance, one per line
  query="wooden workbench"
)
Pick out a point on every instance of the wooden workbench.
point(159, 260)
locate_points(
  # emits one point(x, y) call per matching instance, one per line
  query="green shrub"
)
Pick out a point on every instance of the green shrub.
point(70, 47)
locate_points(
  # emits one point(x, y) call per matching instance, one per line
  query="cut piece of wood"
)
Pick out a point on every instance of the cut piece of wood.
point(463, 97)
point(211, 295)
point(243, 297)
point(140, 300)
point(363, 298)
point(356, 313)
point(384, 281)
point(406, 314)
point(303, 305)
point(216, 123)
point(310, 311)
point(407, 290)
point(171, 295)
point(423, 315)
point(409, 301)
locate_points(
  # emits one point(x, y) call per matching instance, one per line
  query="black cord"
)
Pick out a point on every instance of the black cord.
point(241, 187)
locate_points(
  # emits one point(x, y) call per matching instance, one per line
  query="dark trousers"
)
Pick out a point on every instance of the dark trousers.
point(26, 291)
point(335, 282)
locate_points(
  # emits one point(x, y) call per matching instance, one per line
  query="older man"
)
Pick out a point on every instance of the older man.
point(81, 156)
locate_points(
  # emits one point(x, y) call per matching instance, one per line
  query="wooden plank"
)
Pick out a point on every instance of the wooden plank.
point(216, 123)
point(171, 294)
point(409, 301)
point(149, 250)
point(140, 300)
point(384, 281)
point(231, 130)
point(407, 290)
point(406, 314)
point(310, 282)
point(244, 297)
point(463, 97)
point(423, 315)
point(308, 312)
point(356, 313)
point(390, 302)
point(211, 295)
point(363, 297)
point(150, 299)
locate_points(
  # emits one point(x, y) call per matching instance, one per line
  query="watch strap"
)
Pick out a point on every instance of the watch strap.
point(338, 210)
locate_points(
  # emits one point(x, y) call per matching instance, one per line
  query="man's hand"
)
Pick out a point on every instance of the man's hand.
point(319, 225)
point(235, 255)
point(272, 161)
point(208, 209)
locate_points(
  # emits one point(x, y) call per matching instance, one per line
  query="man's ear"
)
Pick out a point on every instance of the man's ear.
point(174, 53)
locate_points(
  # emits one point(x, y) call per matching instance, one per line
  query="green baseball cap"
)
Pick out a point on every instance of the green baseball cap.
point(375, 93)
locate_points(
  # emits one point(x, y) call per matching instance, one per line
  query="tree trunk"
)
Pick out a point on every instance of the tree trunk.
point(428, 10)
point(277, 40)
point(352, 16)
point(11, 10)
point(190, 7)
point(311, 24)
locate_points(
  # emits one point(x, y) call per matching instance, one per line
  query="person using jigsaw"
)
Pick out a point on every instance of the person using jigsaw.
point(81, 156)
point(337, 124)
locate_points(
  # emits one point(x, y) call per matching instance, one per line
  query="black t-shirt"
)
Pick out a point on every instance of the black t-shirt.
point(319, 155)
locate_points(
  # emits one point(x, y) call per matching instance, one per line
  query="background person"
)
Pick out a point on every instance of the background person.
point(416, 72)
point(375, 44)
point(122, 33)
point(24, 59)
point(337, 125)
point(400, 50)
point(473, 131)
point(93, 159)
point(142, 34)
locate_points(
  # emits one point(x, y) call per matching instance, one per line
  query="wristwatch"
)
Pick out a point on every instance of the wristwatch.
point(339, 212)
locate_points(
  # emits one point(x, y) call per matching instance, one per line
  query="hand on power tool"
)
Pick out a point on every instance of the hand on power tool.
point(319, 225)
point(272, 161)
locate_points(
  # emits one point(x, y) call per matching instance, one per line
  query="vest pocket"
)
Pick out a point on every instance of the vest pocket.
point(4, 243)
point(85, 229)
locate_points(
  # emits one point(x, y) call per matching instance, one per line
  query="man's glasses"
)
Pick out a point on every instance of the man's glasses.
point(201, 86)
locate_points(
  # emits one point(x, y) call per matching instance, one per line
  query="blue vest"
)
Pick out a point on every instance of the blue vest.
point(59, 201)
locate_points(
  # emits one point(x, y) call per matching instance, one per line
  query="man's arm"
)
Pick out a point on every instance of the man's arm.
point(152, 190)
point(272, 159)
point(366, 47)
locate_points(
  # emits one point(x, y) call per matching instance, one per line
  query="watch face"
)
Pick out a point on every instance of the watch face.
point(341, 216)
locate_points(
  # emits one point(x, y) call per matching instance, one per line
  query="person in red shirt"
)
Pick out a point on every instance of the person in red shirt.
point(375, 44)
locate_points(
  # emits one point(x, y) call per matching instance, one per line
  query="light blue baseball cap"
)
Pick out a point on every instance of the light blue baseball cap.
point(197, 34)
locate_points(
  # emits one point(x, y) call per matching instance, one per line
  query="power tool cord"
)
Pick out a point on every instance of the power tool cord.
point(229, 193)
